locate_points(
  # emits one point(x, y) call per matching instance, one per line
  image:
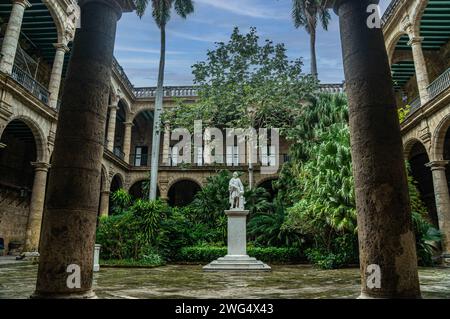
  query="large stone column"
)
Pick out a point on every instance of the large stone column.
point(104, 203)
point(55, 78)
point(442, 201)
point(386, 238)
point(111, 132)
point(12, 35)
point(127, 141)
point(421, 68)
point(68, 236)
point(36, 207)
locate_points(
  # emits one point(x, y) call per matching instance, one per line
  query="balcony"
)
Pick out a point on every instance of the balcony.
point(119, 153)
point(31, 85)
point(438, 86)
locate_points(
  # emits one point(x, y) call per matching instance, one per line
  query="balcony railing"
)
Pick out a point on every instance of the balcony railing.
point(119, 153)
point(169, 91)
point(415, 105)
point(439, 85)
point(34, 87)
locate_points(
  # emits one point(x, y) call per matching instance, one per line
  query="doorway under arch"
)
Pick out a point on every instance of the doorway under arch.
point(19, 148)
point(183, 192)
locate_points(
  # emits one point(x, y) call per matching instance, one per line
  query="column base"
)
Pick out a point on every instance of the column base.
point(366, 296)
point(82, 295)
point(237, 263)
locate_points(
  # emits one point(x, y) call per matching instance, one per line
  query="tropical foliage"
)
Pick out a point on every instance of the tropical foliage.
point(245, 83)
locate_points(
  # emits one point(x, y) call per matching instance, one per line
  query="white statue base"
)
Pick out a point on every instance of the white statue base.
point(237, 258)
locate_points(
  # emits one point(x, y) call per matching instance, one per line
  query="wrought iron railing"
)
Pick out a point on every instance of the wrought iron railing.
point(439, 85)
point(34, 87)
point(415, 105)
point(119, 153)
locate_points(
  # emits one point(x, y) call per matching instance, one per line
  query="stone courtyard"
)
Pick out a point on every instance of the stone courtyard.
point(190, 282)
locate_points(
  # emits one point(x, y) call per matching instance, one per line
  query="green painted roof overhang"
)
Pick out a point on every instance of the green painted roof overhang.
point(38, 28)
point(435, 30)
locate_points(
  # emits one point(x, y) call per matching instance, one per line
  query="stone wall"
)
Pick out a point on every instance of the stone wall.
point(13, 215)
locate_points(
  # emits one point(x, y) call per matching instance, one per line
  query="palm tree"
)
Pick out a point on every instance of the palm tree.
point(306, 13)
point(161, 11)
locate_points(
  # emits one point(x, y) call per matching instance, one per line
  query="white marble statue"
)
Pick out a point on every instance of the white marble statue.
point(236, 189)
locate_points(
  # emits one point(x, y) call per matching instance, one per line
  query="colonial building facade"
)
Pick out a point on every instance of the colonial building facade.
point(417, 34)
point(36, 37)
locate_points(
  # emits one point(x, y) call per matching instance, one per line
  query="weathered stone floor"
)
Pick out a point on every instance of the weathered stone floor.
point(173, 281)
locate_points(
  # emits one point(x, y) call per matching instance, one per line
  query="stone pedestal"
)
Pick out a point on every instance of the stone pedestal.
point(237, 258)
point(97, 257)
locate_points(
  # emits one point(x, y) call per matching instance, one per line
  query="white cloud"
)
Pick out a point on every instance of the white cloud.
point(210, 38)
point(144, 50)
point(246, 8)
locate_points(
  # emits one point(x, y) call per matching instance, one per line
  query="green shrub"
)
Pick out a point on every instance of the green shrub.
point(155, 261)
point(341, 253)
point(121, 201)
point(206, 254)
point(133, 233)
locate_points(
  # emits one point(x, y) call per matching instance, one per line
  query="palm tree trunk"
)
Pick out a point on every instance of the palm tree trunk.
point(156, 141)
point(312, 38)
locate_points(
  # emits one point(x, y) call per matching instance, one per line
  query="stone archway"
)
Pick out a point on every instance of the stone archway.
point(19, 147)
point(138, 191)
point(182, 192)
point(440, 137)
point(418, 159)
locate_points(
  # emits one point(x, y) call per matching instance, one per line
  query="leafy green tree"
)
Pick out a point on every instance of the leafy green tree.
point(161, 12)
point(306, 14)
point(326, 204)
point(246, 82)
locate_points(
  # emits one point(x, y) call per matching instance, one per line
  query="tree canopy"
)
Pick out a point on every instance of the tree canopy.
point(246, 82)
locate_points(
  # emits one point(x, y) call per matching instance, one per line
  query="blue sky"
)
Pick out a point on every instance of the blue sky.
point(137, 43)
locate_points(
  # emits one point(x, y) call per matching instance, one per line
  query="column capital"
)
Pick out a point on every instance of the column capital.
point(119, 6)
point(23, 3)
point(105, 192)
point(130, 124)
point(437, 165)
point(335, 4)
point(415, 40)
point(61, 47)
point(114, 106)
point(41, 166)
